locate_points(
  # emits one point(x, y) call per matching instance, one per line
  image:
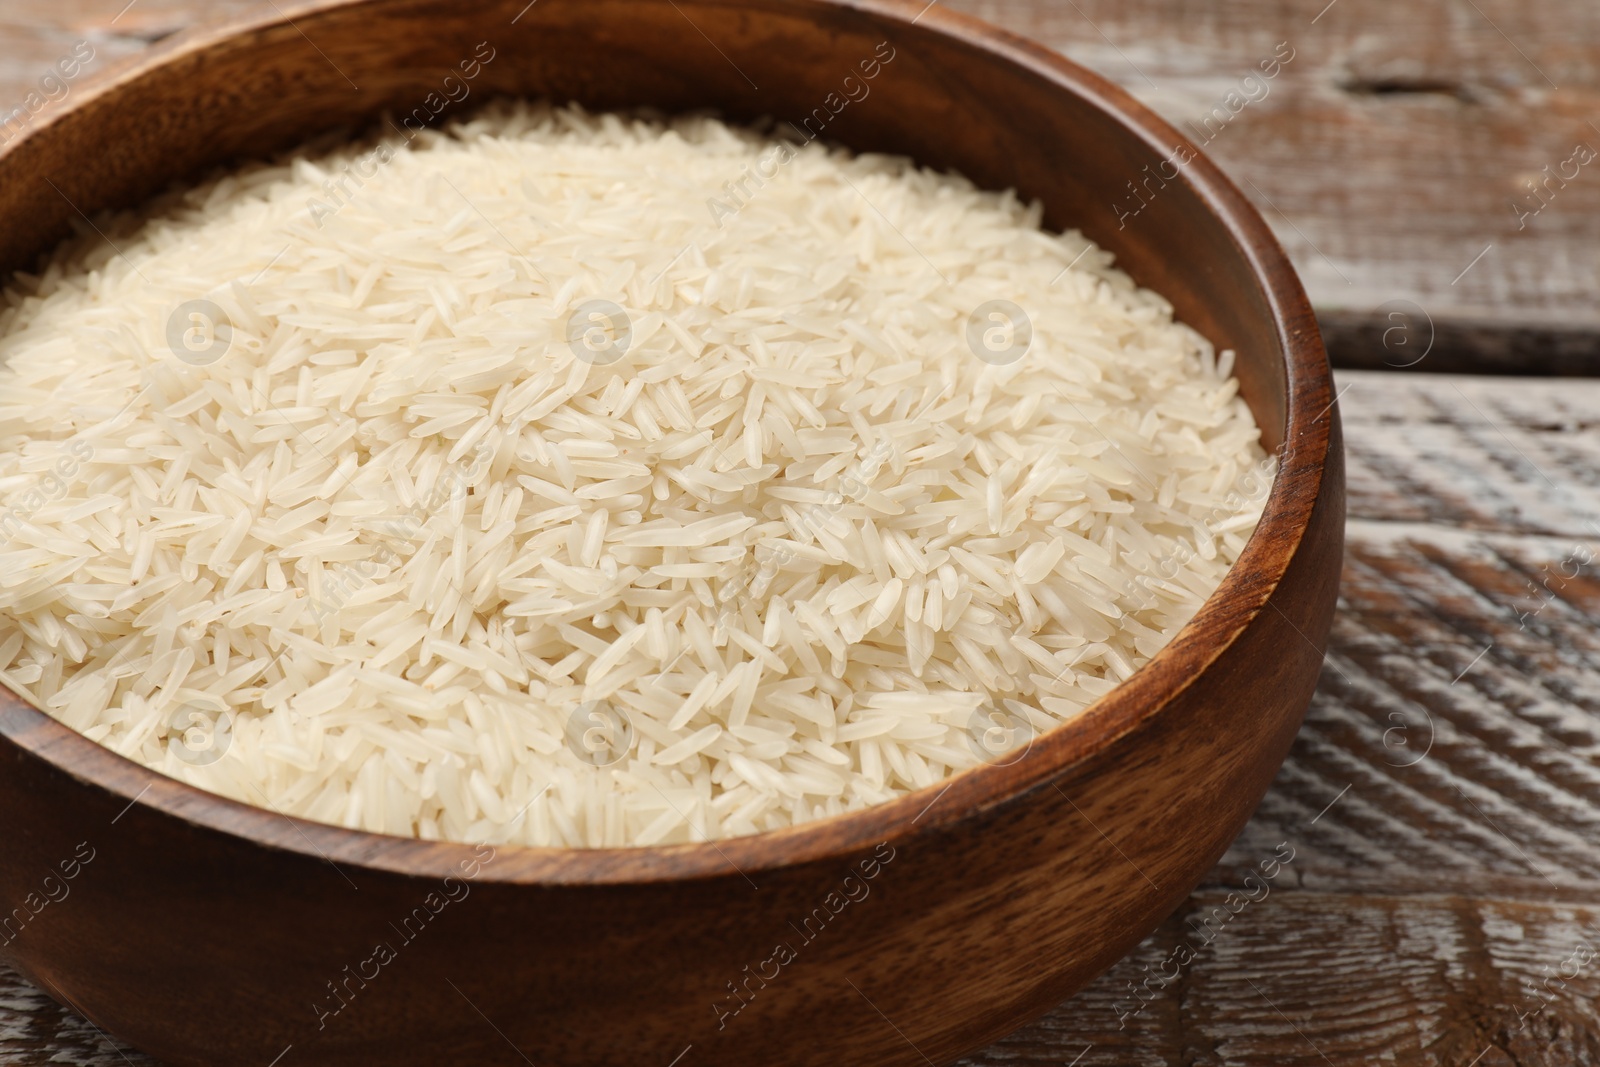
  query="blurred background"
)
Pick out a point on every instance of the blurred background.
point(1401, 140)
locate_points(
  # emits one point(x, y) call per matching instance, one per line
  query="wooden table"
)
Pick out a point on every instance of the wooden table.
point(1443, 800)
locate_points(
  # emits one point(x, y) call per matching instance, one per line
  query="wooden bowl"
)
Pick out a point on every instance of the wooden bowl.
point(208, 932)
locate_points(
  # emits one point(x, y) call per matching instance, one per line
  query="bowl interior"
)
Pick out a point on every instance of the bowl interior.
point(881, 75)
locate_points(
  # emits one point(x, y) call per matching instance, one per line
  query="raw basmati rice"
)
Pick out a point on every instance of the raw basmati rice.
point(592, 480)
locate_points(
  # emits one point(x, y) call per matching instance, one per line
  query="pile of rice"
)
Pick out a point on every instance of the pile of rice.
point(760, 539)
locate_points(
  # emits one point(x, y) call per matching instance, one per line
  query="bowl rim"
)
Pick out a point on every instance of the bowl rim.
point(1239, 599)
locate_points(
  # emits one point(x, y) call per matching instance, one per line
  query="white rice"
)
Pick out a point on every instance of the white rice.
point(400, 559)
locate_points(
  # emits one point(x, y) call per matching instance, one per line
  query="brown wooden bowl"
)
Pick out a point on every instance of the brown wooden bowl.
point(209, 932)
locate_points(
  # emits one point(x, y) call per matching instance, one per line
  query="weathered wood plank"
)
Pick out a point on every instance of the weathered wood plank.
point(1476, 453)
point(36, 1030)
point(1388, 153)
point(1317, 979)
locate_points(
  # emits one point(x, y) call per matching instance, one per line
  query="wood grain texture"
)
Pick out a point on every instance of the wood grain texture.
point(1388, 153)
point(1423, 909)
